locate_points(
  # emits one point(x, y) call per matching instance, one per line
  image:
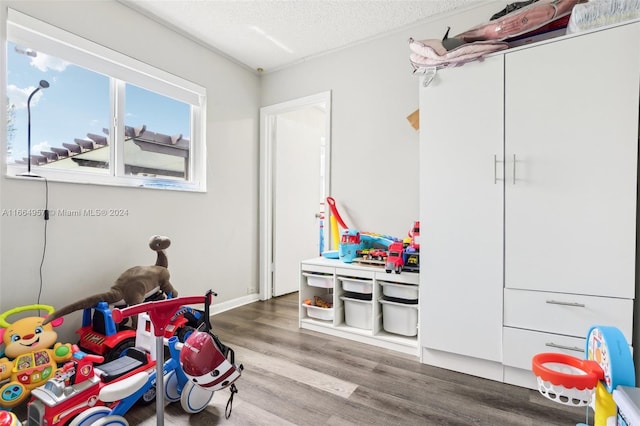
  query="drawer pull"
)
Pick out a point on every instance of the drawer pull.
point(569, 348)
point(575, 304)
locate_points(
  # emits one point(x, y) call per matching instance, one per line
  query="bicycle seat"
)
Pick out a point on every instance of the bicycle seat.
point(123, 388)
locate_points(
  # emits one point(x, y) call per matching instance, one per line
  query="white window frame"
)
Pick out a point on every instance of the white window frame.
point(41, 36)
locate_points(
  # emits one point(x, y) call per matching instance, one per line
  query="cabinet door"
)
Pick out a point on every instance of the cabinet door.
point(571, 134)
point(461, 133)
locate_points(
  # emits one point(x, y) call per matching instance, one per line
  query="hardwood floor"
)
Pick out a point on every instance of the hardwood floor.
point(300, 377)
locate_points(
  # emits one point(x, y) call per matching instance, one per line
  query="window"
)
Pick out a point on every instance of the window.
point(99, 116)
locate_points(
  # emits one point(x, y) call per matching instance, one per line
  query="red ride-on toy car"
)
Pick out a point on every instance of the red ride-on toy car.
point(101, 335)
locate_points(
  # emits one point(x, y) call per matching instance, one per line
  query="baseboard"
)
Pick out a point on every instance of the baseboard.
point(217, 308)
point(491, 370)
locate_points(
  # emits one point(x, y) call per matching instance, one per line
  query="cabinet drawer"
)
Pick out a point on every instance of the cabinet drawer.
point(520, 346)
point(567, 314)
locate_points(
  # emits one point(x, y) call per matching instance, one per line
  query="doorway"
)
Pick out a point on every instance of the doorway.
point(295, 176)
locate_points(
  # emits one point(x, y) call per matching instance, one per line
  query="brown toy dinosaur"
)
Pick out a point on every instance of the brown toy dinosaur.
point(133, 285)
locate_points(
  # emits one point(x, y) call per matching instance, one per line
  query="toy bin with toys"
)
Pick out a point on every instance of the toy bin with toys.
point(316, 294)
point(318, 312)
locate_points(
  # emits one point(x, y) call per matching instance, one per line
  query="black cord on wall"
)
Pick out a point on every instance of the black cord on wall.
point(44, 245)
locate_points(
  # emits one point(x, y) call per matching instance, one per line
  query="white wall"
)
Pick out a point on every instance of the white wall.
point(374, 149)
point(214, 235)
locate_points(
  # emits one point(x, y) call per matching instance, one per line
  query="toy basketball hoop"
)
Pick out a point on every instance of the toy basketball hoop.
point(566, 379)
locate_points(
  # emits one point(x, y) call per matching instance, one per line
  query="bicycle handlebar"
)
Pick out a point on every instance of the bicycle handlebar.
point(160, 311)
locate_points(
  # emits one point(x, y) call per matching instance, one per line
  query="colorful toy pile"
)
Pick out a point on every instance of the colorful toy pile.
point(114, 366)
point(393, 253)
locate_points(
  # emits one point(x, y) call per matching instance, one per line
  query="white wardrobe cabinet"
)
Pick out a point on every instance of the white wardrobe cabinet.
point(528, 189)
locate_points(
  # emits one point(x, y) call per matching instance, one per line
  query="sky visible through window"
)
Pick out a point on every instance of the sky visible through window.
point(76, 103)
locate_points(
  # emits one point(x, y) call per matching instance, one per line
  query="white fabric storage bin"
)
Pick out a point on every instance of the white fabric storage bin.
point(399, 318)
point(319, 280)
point(357, 313)
point(319, 313)
point(356, 285)
point(401, 291)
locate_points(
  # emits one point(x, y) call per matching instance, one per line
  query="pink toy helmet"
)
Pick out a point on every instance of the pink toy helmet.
point(204, 363)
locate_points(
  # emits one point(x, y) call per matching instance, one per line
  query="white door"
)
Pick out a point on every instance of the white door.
point(461, 210)
point(573, 132)
point(295, 137)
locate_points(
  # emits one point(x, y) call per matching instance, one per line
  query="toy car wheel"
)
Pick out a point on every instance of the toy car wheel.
point(148, 397)
point(90, 416)
point(111, 421)
point(194, 398)
point(171, 393)
point(119, 349)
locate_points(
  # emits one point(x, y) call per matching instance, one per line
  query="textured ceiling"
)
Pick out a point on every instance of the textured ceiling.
point(272, 34)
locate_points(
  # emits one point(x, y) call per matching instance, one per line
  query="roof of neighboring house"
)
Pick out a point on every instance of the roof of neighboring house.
point(145, 152)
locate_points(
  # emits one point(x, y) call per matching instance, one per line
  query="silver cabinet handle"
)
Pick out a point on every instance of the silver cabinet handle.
point(514, 169)
point(574, 304)
point(495, 168)
point(569, 348)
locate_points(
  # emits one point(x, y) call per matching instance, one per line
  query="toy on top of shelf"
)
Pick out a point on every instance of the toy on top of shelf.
point(405, 255)
point(414, 235)
point(395, 259)
point(377, 254)
point(353, 242)
point(335, 220)
point(334, 211)
point(350, 243)
point(32, 354)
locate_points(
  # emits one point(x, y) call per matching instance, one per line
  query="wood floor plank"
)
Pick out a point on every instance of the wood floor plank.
point(308, 376)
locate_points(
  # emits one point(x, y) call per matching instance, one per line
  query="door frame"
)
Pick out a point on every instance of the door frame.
point(267, 148)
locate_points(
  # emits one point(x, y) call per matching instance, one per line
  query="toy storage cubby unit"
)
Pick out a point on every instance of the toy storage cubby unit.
point(359, 305)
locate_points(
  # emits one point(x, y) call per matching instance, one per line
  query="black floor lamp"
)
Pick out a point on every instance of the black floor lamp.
point(43, 85)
